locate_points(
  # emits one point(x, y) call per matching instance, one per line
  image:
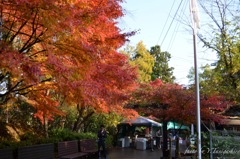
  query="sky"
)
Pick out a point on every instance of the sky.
point(165, 23)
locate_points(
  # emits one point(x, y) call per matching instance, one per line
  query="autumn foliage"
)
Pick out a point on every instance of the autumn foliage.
point(64, 49)
point(171, 102)
point(51, 50)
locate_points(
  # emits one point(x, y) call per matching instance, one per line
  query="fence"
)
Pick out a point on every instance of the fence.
point(224, 144)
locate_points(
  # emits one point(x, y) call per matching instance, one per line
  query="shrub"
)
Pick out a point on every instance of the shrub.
point(66, 134)
point(55, 136)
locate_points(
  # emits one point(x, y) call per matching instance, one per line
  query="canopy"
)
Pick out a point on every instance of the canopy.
point(141, 121)
point(171, 125)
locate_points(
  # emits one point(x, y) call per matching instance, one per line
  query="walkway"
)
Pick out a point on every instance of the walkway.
point(131, 153)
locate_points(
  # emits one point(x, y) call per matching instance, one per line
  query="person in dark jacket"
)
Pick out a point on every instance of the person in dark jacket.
point(102, 135)
point(158, 138)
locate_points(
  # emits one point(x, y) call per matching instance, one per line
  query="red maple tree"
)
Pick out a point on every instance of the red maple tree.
point(64, 48)
point(171, 102)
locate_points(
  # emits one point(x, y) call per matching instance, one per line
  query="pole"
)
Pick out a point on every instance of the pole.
point(195, 25)
point(197, 97)
point(210, 145)
point(210, 142)
point(192, 129)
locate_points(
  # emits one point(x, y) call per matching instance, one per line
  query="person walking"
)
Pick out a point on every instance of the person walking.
point(158, 137)
point(150, 138)
point(102, 135)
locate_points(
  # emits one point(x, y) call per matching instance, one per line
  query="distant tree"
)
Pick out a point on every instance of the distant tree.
point(139, 56)
point(222, 35)
point(161, 68)
point(209, 80)
point(190, 76)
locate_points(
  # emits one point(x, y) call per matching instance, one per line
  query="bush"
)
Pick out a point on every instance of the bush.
point(55, 136)
point(66, 134)
point(109, 141)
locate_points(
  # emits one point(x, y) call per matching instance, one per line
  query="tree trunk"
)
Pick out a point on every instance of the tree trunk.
point(177, 153)
point(165, 140)
point(45, 126)
point(82, 118)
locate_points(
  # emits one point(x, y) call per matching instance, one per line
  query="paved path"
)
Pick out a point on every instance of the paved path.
point(131, 153)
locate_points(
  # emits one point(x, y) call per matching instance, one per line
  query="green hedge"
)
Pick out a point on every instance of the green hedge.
point(55, 136)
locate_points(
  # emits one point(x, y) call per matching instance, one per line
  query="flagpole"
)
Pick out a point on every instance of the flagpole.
point(197, 97)
point(195, 25)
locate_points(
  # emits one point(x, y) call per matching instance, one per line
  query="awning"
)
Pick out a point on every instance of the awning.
point(141, 121)
point(235, 122)
point(171, 125)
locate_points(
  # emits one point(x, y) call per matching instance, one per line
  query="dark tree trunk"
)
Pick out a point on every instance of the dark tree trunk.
point(45, 124)
point(79, 118)
point(165, 140)
point(177, 153)
point(82, 118)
